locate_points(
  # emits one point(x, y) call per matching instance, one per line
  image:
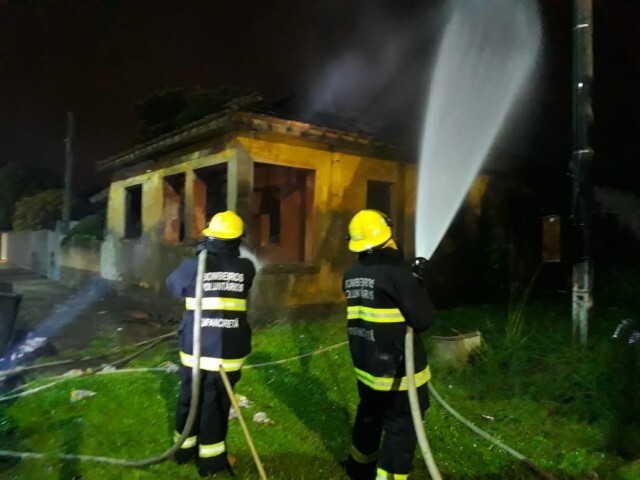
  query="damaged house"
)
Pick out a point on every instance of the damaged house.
point(295, 185)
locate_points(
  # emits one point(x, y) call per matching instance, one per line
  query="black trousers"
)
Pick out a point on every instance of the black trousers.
point(209, 430)
point(387, 412)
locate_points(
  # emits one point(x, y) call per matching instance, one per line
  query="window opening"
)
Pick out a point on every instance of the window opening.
point(133, 212)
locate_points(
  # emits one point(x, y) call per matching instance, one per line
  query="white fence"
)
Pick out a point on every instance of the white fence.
point(38, 251)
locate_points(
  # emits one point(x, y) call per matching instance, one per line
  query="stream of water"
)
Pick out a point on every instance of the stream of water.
point(486, 57)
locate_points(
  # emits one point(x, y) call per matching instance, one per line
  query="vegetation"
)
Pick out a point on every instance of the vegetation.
point(18, 181)
point(86, 230)
point(38, 212)
point(572, 410)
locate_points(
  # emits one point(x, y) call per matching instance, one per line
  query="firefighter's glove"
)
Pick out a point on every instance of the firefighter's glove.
point(419, 267)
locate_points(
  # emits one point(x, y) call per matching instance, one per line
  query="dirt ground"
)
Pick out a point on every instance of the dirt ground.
point(74, 318)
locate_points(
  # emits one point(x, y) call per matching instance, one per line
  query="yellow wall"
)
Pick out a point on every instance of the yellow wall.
point(341, 179)
point(152, 192)
point(340, 191)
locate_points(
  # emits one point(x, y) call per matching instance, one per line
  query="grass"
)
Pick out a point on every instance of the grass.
point(570, 409)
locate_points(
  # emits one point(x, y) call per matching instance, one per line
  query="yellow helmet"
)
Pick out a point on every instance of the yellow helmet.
point(368, 229)
point(225, 225)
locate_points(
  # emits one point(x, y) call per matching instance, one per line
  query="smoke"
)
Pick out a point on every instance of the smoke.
point(375, 73)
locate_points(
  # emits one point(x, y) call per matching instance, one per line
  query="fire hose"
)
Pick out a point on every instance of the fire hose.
point(193, 407)
point(195, 382)
point(419, 269)
point(245, 430)
point(416, 414)
point(412, 393)
point(150, 343)
point(541, 473)
point(418, 424)
point(195, 373)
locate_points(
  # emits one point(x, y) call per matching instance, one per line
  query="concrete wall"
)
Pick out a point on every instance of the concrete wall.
point(140, 261)
point(80, 262)
point(37, 251)
point(41, 252)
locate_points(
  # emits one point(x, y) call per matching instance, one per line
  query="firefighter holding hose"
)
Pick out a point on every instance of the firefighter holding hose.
point(384, 295)
point(225, 338)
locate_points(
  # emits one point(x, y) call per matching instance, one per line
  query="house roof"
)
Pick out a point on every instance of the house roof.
point(233, 120)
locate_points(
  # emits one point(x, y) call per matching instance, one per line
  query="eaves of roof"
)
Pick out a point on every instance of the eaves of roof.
point(237, 121)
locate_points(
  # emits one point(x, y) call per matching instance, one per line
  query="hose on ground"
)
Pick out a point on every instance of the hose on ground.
point(128, 358)
point(245, 430)
point(63, 378)
point(19, 370)
point(414, 402)
point(432, 390)
point(528, 462)
point(193, 407)
point(285, 360)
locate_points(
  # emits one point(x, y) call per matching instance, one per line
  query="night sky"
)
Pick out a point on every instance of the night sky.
point(97, 58)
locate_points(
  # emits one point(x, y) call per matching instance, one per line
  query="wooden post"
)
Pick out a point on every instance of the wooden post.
point(68, 170)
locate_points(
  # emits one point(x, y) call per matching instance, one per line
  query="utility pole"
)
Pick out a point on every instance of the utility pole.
point(581, 160)
point(68, 169)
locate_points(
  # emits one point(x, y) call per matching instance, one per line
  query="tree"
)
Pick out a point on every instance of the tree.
point(18, 181)
point(86, 230)
point(38, 212)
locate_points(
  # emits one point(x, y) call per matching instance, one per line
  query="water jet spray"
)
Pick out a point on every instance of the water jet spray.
point(486, 56)
point(487, 53)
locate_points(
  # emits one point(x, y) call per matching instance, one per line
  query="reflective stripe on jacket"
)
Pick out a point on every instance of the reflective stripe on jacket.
point(388, 384)
point(382, 474)
point(383, 297)
point(225, 334)
point(217, 303)
point(213, 364)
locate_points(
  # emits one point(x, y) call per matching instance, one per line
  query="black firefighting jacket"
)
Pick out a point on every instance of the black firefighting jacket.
point(383, 297)
point(225, 334)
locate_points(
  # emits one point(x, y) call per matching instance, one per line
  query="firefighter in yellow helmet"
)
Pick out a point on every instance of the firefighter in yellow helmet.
point(383, 297)
point(225, 338)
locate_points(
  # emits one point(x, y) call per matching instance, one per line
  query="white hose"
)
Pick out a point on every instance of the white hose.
point(243, 425)
point(542, 473)
point(410, 381)
point(63, 378)
point(193, 407)
point(416, 415)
